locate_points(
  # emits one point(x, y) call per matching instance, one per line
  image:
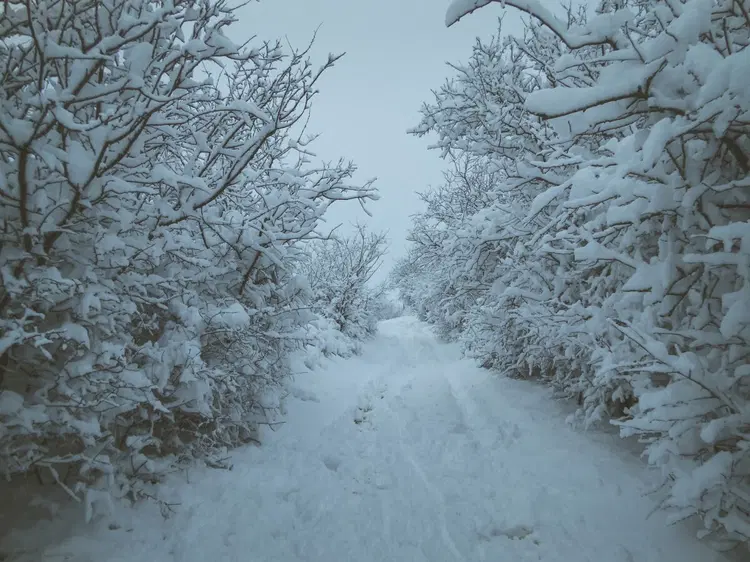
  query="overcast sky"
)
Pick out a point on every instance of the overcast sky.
point(396, 52)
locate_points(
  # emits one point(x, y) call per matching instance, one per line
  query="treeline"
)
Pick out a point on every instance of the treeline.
point(158, 207)
point(593, 230)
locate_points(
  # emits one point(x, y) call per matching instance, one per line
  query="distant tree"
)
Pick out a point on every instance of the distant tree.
point(339, 271)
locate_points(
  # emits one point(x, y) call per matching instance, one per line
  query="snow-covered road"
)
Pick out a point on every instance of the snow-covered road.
point(407, 453)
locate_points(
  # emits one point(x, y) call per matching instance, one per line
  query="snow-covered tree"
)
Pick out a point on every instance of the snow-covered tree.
point(449, 288)
point(386, 302)
point(154, 187)
point(617, 239)
point(339, 271)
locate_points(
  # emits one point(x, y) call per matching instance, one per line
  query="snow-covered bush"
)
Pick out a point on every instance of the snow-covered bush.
point(153, 193)
point(614, 251)
point(386, 304)
point(339, 270)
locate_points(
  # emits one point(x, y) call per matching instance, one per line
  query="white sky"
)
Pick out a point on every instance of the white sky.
point(396, 52)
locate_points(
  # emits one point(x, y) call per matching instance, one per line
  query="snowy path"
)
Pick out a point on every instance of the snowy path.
point(408, 453)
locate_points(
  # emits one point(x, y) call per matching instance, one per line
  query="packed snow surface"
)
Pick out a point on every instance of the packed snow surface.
point(405, 453)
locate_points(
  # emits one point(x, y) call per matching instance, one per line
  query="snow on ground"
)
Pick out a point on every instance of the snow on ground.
point(406, 453)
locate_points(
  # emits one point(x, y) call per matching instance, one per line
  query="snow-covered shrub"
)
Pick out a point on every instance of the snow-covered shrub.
point(615, 249)
point(339, 270)
point(385, 303)
point(153, 193)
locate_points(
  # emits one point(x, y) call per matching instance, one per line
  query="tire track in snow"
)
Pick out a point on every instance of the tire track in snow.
point(480, 425)
point(433, 490)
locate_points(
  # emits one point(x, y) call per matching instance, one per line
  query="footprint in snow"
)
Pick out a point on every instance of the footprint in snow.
point(514, 533)
point(509, 434)
point(362, 415)
point(287, 493)
point(303, 395)
point(373, 393)
point(459, 428)
point(331, 463)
